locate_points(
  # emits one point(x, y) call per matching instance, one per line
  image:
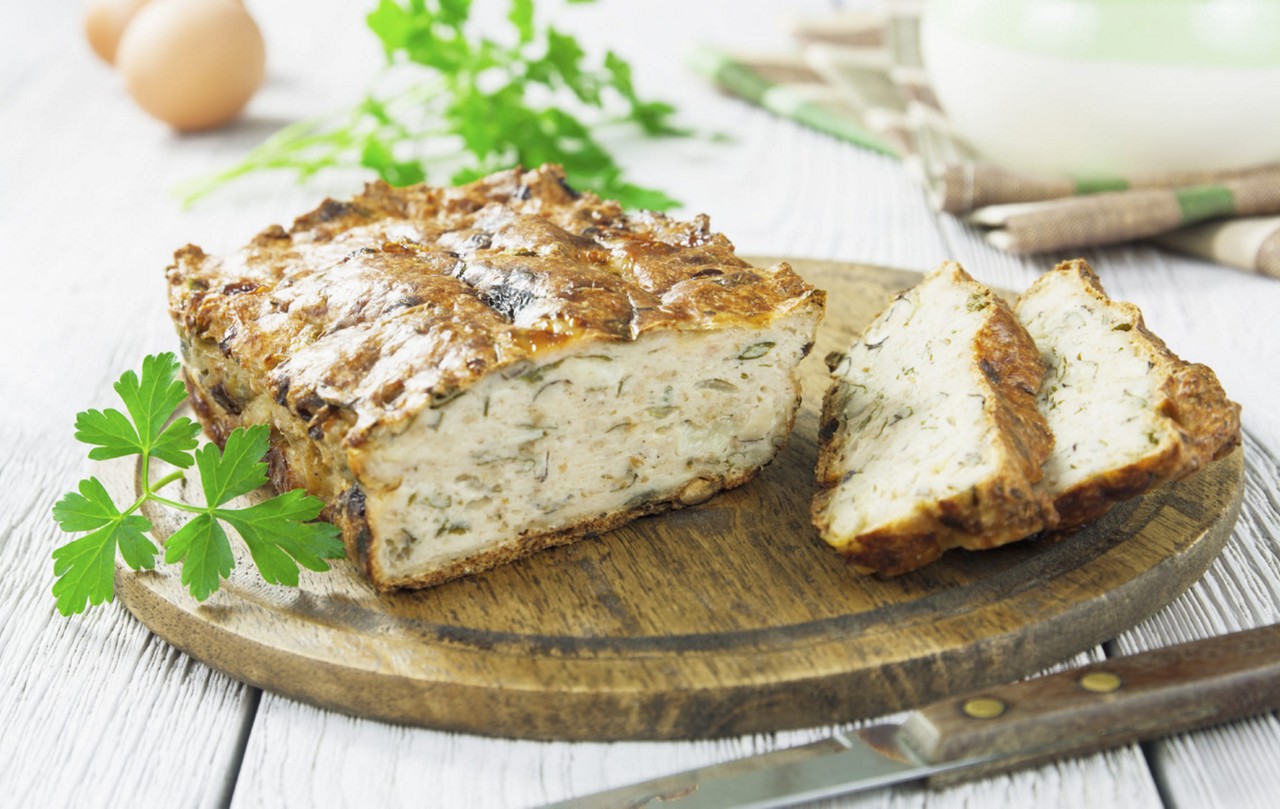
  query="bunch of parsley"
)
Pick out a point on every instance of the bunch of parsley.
point(279, 532)
point(475, 104)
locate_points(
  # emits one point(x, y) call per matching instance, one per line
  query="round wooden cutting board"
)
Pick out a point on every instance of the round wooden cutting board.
point(728, 618)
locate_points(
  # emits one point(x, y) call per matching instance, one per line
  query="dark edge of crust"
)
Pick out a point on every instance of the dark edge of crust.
point(1206, 422)
point(1012, 365)
point(1004, 508)
point(346, 510)
point(532, 543)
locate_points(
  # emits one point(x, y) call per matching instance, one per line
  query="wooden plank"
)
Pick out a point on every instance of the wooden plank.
point(91, 703)
point(1233, 765)
point(329, 759)
point(97, 711)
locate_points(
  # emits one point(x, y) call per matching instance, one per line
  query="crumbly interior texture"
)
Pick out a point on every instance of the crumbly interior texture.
point(1127, 413)
point(917, 431)
point(1099, 392)
point(467, 375)
point(564, 445)
point(930, 435)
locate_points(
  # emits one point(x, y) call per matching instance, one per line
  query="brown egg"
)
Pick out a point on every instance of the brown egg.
point(193, 64)
point(105, 21)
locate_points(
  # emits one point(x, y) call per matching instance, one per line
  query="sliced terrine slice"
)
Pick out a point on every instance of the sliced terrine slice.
point(930, 436)
point(1126, 412)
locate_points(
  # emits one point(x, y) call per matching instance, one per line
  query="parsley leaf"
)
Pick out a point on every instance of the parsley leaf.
point(89, 509)
point(238, 469)
point(205, 552)
point(150, 401)
point(86, 567)
point(280, 535)
point(110, 431)
point(176, 442)
point(473, 105)
point(279, 531)
point(138, 551)
point(86, 570)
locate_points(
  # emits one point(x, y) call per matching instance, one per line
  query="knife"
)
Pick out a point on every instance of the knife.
point(1091, 708)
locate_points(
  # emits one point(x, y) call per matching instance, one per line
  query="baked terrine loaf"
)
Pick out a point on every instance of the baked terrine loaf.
point(1128, 414)
point(930, 437)
point(468, 375)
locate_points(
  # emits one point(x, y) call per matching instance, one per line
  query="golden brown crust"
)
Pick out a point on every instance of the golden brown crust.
point(366, 311)
point(1004, 507)
point(1206, 424)
point(1012, 507)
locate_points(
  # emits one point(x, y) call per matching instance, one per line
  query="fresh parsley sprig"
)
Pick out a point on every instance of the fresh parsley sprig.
point(475, 105)
point(279, 531)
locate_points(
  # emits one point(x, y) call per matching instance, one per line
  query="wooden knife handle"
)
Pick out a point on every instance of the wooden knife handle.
point(1101, 705)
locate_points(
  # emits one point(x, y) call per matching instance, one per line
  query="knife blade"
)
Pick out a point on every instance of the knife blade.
point(1106, 704)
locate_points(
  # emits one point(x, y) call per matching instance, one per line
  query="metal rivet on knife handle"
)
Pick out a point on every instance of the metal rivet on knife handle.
point(1100, 682)
point(983, 707)
point(1163, 691)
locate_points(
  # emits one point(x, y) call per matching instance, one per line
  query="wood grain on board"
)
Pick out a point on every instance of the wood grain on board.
point(727, 618)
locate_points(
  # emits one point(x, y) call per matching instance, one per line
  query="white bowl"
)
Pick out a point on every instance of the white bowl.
point(1105, 88)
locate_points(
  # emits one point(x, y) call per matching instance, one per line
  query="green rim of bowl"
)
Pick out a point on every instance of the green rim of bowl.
point(1199, 33)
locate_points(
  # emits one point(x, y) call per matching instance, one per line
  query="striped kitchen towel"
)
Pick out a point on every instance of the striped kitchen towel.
point(858, 77)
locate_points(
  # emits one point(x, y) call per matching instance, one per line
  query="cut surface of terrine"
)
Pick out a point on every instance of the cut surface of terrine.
point(1127, 413)
point(930, 436)
point(467, 375)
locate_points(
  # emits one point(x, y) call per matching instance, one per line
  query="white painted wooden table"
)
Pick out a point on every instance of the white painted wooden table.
point(95, 711)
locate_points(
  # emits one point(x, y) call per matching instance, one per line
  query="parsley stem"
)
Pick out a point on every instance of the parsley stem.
point(164, 481)
point(137, 504)
point(144, 474)
point(149, 489)
point(155, 498)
